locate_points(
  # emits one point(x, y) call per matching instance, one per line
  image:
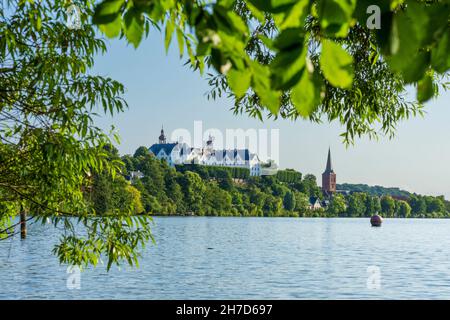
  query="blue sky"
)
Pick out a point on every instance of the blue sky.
point(160, 90)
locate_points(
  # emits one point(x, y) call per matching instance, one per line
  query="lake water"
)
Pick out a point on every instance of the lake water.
point(249, 258)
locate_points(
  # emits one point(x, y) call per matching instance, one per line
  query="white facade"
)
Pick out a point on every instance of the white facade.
point(181, 153)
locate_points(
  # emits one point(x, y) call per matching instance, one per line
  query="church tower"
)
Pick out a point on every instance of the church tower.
point(329, 177)
point(162, 137)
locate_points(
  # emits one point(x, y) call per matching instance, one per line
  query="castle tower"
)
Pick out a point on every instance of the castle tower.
point(209, 149)
point(329, 177)
point(162, 137)
point(210, 142)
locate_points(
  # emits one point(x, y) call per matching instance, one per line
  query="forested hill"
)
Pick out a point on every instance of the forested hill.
point(374, 190)
point(228, 191)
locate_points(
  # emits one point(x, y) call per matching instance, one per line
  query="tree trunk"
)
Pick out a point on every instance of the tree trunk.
point(23, 224)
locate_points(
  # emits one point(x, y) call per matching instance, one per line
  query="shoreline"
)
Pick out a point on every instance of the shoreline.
point(197, 216)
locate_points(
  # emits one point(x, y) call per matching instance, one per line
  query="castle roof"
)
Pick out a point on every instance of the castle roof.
point(244, 154)
point(167, 147)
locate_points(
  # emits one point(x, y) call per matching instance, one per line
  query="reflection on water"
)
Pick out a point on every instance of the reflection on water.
point(248, 258)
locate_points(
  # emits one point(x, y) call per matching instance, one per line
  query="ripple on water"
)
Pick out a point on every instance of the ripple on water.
point(248, 258)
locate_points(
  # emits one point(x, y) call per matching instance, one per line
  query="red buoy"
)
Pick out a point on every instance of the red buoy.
point(376, 220)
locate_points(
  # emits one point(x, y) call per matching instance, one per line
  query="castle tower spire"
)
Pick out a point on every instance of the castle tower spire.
point(209, 142)
point(162, 137)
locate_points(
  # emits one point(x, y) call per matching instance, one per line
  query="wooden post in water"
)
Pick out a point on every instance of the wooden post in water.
point(23, 224)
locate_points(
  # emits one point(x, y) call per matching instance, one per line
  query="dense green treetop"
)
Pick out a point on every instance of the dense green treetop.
point(373, 190)
point(50, 149)
point(338, 60)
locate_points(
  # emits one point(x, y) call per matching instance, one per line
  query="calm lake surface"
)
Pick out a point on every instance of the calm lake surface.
point(249, 258)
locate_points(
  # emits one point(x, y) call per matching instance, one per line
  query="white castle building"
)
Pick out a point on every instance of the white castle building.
point(181, 153)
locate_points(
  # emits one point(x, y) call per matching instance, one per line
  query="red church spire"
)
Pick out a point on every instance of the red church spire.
point(329, 167)
point(329, 177)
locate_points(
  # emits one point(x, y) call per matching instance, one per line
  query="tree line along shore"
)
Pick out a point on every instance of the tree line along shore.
point(221, 191)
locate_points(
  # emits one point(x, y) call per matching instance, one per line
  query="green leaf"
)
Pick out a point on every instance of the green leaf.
point(107, 11)
point(413, 31)
point(289, 62)
point(134, 26)
point(425, 89)
point(167, 4)
point(269, 98)
point(440, 56)
point(239, 81)
point(230, 22)
point(335, 16)
point(294, 17)
point(38, 23)
point(290, 39)
point(180, 39)
point(168, 34)
point(112, 30)
point(426, 21)
point(402, 39)
point(268, 42)
point(286, 68)
point(190, 53)
point(256, 12)
point(261, 84)
point(273, 6)
point(226, 3)
point(418, 65)
point(404, 42)
point(306, 94)
point(336, 65)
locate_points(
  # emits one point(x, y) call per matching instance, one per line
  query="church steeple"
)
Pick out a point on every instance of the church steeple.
point(329, 177)
point(162, 137)
point(329, 167)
